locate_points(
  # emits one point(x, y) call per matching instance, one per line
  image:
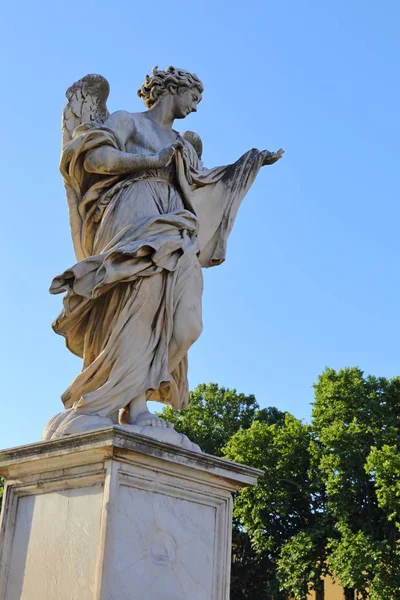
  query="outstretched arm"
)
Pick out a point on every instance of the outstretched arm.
point(269, 158)
point(216, 197)
point(110, 161)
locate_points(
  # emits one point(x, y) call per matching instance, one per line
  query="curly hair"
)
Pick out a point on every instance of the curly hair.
point(162, 82)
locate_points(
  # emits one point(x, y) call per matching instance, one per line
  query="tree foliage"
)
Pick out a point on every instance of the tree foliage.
point(329, 499)
point(215, 413)
point(354, 419)
point(353, 457)
point(278, 508)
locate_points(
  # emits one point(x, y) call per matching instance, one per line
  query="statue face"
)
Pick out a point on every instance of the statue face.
point(185, 102)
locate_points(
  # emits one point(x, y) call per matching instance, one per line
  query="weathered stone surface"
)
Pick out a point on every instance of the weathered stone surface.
point(72, 422)
point(146, 216)
point(113, 515)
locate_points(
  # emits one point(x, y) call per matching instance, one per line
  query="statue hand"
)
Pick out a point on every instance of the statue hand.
point(269, 158)
point(165, 156)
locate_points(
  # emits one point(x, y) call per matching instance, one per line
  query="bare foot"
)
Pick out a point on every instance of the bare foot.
point(147, 419)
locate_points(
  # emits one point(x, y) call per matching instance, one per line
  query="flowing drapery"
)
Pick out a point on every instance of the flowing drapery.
point(140, 241)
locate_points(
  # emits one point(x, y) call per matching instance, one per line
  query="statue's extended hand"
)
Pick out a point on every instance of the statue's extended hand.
point(165, 156)
point(271, 157)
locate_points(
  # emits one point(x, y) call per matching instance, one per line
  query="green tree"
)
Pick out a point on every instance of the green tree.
point(354, 470)
point(250, 571)
point(280, 507)
point(329, 501)
point(215, 413)
point(384, 467)
point(352, 415)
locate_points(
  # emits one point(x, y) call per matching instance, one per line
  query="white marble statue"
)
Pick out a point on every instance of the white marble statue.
point(146, 216)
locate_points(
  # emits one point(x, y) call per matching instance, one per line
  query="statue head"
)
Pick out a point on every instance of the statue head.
point(175, 82)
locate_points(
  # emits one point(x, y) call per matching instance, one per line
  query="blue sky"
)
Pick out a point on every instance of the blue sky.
point(312, 274)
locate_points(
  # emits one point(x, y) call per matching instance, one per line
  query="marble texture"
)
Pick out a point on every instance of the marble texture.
point(112, 515)
point(146, 216)
point(57, 528)
point(164, 542)
point(71, 422)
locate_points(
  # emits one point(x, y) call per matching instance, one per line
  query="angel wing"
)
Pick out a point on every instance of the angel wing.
point(195, 140)
point(86, 102)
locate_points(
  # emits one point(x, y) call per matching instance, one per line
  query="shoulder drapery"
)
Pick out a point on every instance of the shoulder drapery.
point(139, 239)
point(214, 195)
point(84, 190)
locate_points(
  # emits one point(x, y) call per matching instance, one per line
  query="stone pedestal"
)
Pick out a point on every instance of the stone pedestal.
point(111, 515)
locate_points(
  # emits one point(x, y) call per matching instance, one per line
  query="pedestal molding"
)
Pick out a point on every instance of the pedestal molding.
point(113, 515)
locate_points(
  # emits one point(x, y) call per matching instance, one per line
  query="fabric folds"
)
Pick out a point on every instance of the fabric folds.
point(133, 300)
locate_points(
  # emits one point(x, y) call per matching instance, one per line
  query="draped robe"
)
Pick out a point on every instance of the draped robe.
point(141, 240)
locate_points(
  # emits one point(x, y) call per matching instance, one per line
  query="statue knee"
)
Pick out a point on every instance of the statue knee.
point(187, 331)
point(197, 329)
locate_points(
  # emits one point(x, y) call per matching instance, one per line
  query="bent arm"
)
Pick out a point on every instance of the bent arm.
point(110, 161)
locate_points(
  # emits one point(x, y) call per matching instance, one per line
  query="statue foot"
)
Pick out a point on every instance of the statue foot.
point(138, 419)
point(72, 422)
point(162, 433)
point(147, 419)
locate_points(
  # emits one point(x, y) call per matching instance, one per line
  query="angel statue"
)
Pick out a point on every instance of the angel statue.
point(146, 216)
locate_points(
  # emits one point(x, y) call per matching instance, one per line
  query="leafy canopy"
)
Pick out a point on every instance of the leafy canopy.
point(329, 499)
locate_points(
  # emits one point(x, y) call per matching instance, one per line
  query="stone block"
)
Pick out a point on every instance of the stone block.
point(112, 515)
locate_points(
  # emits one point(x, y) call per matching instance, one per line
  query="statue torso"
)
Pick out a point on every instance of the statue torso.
point(139, 134)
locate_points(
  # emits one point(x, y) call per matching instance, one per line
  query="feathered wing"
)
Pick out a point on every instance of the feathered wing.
point(86, 103)
point(195, 140)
